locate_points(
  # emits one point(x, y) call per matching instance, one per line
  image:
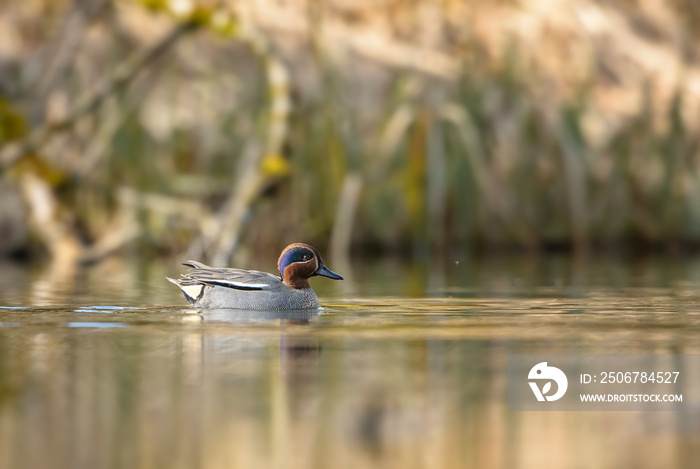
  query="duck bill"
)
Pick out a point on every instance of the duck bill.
point(326, 272)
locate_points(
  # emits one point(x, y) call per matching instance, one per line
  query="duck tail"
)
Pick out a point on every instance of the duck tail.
point(193, 291)
point(173, 281)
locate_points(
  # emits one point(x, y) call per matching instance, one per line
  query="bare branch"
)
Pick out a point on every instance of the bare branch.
point(93, 98)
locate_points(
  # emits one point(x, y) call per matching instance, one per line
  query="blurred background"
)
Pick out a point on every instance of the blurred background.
point(490, 177)
point(221, 130)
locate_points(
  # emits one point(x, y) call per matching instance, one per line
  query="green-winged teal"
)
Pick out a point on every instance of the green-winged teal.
point(209, 287)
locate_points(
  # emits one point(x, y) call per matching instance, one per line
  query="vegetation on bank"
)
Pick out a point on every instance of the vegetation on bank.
point(197, 128)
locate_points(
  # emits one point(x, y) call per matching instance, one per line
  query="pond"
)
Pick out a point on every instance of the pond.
point(406, 366)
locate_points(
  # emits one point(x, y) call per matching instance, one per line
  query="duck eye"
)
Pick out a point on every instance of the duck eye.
point(305, 257)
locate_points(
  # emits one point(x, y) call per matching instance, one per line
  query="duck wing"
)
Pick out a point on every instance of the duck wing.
point(229, 278)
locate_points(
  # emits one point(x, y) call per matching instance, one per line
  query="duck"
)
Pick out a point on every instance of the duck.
point(225, 288)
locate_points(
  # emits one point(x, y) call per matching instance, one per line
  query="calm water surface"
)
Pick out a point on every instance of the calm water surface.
point(405, 367)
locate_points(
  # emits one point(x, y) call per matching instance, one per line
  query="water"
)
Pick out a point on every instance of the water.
point(405, 367)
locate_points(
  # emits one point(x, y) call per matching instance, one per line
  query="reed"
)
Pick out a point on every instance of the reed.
point(230, 141)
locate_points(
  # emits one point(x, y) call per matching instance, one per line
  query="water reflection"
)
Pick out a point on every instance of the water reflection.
point(372, 381)
point(242, 316)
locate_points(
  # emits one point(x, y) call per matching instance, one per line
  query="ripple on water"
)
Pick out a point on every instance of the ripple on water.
point(107, 309)
point(96, 324)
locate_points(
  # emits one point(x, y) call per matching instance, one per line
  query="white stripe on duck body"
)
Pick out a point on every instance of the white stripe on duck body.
point(210, 287)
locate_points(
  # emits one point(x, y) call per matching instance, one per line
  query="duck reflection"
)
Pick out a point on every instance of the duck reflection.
point(298, 350)
point(267, 367)
point(243, 316)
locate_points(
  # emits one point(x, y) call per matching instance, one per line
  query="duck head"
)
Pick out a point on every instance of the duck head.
point(298, 262)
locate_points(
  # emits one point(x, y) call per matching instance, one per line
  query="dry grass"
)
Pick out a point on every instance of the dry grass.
point(410, 124)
